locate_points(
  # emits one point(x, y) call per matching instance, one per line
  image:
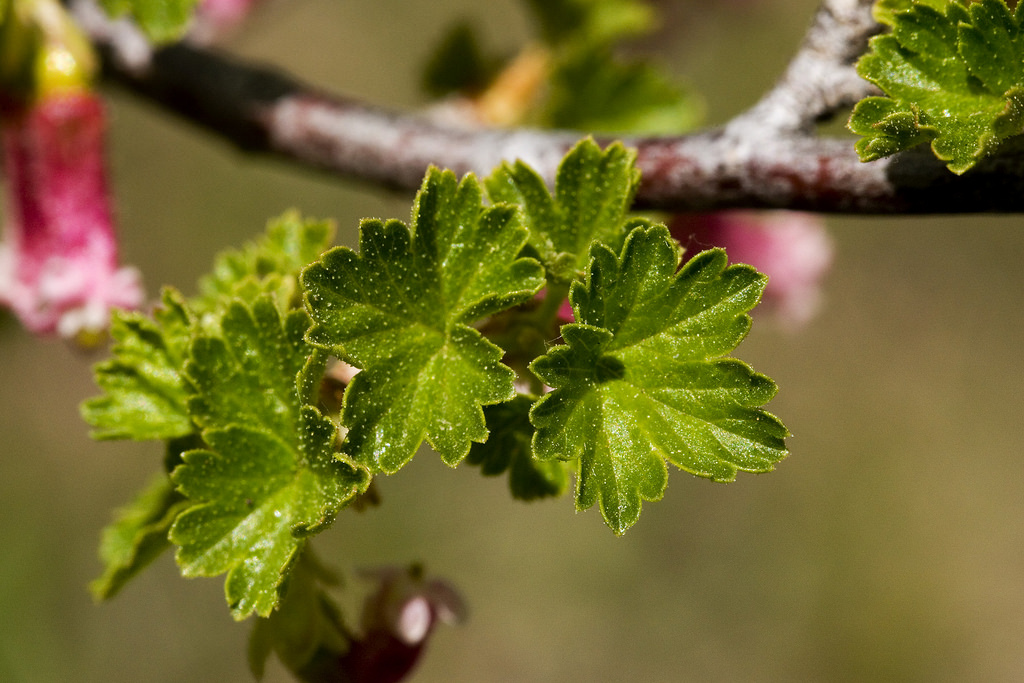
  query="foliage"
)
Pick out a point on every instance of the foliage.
point(429, 311)
point(161, 20)
point(951, 73)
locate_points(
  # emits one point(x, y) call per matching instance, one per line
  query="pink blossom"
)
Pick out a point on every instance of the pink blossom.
point(59, 266)
point(397, 620)
point(792, 249)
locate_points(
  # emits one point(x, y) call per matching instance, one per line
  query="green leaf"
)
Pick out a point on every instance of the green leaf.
point(144, 393)
point(401, 310)
point(593, 193)
point(885, 11)
point(137, 536)
point(458, 63)
point(306, 631)
point(590, 90)
point(952, 76)
point(270, 264)
point(599, 22)
point(508, 449)
point(642, 380)
point(161, 20)
point(270, 476)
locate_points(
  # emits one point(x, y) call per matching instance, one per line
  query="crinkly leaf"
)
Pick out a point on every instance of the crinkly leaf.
point(144, 393)
point(137, 536)
point(952, 76)
point(247, 374)
point(162, 20)
point(401, 311)
point(641, 379)
point(269, 476)
point(269, 264)
point(593, 192)
point(508, 449)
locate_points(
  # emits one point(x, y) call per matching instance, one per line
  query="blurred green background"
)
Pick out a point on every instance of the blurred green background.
point(888, 547)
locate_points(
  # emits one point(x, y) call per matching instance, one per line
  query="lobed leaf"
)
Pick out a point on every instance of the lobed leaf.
point(401, 310)
point(508, 449)
point(594, 190)
point(641, 380)
point(270, 264)
point(137, 536)
point(269, 476)
point(952, 76)
point(145, 396)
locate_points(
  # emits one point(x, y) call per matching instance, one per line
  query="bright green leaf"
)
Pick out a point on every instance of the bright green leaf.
point(270, 475)
point(952, 76)
point(593, 193)
point(144, 394)
point(269, 264)
point(508, 449)
point(885, 11)
point(306, 629)
point(401, 311)
point(591, 90)
point(600, 22)
point(162, 20)
point(137, 536)
point(642, 380)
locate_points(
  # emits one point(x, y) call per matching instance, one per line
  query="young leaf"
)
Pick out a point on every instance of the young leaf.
point(144, 393)
point(137, 536)
point(642, 380)
point(162, 20)
point(508, 449)
point(591, 90)
point(270, 475)
point(600, 22)
point(306, 631)
point(593, 193)
point(269, 264)
point(401, 310)
point(952, 76)
point(884, 11)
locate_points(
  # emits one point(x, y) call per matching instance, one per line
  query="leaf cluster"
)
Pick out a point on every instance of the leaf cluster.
point(452, 323)
point(951, 71)
point(252, 465)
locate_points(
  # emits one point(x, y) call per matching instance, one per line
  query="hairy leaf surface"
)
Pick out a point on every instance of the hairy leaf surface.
point(641, 379)
point(401, 310)
point(144, 393)
point(593, 192)
point(270, 264)
point(270, 475)
point(137, 536)
point(952, 75)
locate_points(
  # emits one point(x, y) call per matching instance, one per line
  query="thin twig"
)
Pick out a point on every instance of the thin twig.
point(768, 157)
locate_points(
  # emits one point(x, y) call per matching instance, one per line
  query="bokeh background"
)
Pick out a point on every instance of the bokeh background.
point(888, 547)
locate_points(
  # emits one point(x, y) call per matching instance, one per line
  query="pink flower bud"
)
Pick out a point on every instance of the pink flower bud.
point(398, 619)
point(792, 249)
point(58, 268)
